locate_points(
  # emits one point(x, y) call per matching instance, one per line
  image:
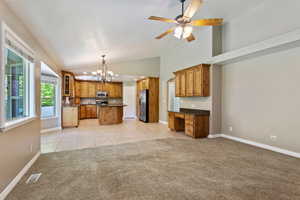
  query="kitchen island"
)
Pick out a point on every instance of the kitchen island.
point(110, 114)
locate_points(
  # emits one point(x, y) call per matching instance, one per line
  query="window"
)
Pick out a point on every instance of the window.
point(48, 99)
point(16, 84)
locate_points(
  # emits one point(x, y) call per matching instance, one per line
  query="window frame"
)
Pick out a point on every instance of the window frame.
point(30, 83)
point(55, 81)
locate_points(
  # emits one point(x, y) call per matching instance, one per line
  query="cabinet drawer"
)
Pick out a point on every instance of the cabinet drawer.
point(189, 130)
point(189, 119)
point(179, 115)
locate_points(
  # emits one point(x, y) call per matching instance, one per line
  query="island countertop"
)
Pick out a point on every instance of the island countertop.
point(112, 105)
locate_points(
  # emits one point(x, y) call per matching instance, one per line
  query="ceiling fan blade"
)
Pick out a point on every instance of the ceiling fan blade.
point(162, 19)
point(191, 38)
point(207, 22)
point(165, 33)
point(192, 8)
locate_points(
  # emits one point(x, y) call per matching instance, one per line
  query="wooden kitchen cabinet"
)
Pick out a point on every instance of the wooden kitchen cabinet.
point(84, 89)
point(92, 88)
point(88, 111)
point(115, 90)
point(177, 86)
point(91, 111)
point(68, 84)
point(193, 81)
point(151, 84)
point(190, 83)
point(194, 125)
point(82, 112)
point(182, 84)
point(175, 123)
point(77, 89)
point(202, 79)
point(70, 116)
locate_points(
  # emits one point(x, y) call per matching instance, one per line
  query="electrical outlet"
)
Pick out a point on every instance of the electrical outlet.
point(273, 137)
point(230, 128)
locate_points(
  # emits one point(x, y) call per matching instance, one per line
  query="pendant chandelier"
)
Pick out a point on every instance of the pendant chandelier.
point(103, 73)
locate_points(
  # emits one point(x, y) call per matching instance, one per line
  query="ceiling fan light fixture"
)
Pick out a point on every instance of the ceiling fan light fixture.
point(183, 31)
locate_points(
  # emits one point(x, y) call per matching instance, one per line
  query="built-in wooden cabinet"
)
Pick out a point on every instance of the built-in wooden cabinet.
point(68, 84)
point(115, 90)
point(84, 89)
point(190, 83)
point(91, 111)
point(88, 89)
point(194, 125)
point(151, 84)
point(88, 111)
point(92, 89)
point(82, 112)
point(77, 89)
point(70, 116)
point(193, 82)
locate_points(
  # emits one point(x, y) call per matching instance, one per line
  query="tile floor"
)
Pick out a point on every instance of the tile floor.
point(89, 134)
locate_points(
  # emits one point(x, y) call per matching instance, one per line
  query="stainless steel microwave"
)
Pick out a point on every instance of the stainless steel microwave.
point(101, 94)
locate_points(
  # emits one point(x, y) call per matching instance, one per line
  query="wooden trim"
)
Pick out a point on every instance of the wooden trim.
point(147, 78)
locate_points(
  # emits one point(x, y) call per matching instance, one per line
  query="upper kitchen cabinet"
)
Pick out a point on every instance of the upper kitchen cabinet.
point(84, 89)
point(88, 89)
point(77, 88)
point(193, 81)
point(68, 84)
point(115, 90)
point(92, 89)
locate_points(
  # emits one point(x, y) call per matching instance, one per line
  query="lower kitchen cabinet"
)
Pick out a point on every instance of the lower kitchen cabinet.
point(88, 111)
point(70, 116)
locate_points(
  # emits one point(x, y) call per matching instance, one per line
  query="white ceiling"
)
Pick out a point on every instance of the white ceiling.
point(76, 32)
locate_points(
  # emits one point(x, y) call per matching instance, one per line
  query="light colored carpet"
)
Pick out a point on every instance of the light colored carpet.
point(175, 169)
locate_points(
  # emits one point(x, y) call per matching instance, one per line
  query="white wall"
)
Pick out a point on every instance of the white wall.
point(144, 67)
point(15, 144)
point(261, 99)
point(270, 18)
point(260, 96)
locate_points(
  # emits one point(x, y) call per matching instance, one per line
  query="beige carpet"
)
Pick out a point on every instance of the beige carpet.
point(175, 169)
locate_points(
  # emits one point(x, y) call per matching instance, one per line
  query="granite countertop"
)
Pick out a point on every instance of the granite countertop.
point(192, 111)
point(112, 105)
point(71, 105)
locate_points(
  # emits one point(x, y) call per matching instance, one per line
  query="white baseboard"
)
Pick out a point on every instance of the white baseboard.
point(163, 122)
point(264, 146)
point(51, 130)
point(214, 135)
point(15, 181)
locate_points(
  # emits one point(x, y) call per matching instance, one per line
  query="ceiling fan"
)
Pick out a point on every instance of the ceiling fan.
point(184, 22)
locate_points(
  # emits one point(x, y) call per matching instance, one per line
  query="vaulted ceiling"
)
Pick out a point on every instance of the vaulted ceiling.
point(76, 32)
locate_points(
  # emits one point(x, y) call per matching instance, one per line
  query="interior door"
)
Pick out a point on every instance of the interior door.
point(129, 98)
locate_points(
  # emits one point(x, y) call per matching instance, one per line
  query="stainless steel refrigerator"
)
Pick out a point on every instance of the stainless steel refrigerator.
point(144, 105)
